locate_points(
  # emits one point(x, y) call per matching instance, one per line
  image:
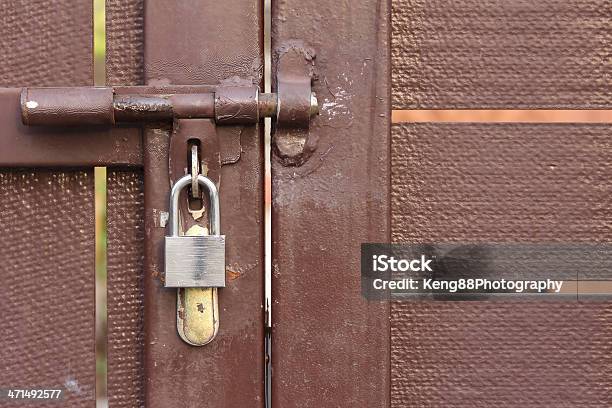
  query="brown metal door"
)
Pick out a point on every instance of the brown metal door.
point(187, 43)
point(330, 347)
point(364, 180)
point(518, 182)
point(47, 215)
point(46, 218)
point(441, 182)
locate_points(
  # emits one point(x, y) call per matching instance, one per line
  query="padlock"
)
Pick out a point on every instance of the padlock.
point(195, 261)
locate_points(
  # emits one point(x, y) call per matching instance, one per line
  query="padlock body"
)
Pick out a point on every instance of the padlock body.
point(195, 261)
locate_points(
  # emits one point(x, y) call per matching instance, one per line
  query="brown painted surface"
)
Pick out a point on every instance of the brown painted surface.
point(501, 183)
point(46, 222)
point(72, 105)
point(125, 310)
point(41, 146)
point(124, 42)
point(46, 45)
point(125, 223)
point(330, 346)
point(194, 43)
point(501, 54)
point(47, 295)
point(294, 72)
point(539, 182)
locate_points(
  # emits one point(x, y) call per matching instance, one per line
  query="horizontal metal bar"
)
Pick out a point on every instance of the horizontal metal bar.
point(78, 125)
point(227, 105)
point(24, 146)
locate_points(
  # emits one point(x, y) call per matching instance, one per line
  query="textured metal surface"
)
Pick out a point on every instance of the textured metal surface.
point(125, 213)
point(22, 146)
point(50, 45)
point(501, 183)
point(229, 371)
point(47, 291)
point(229, 46)
point(330, 346)
point(482, 354)
point(45, 45)
point(124, 42)
point(46, 217)
point(125, 310)
point(501, 54)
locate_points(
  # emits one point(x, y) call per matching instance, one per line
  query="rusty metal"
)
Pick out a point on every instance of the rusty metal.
point(139, 108)
point(67, 106)
point(237, 105)
point(294, 65)
point(202, 135)
point(172, 366)
point(323, 210)
point(294, 76)
point(228, 105)
point(268, 104)
point(29, 146)
point(193, 105)
point(195, 170)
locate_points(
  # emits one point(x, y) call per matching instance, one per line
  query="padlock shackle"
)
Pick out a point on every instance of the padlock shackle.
point(213, 194)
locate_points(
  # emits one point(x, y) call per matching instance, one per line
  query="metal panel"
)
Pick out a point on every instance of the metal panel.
point(44, 146)
point(538, 182)
point(46, 44)
point(501, 183)
point(206, 41)
point(501, 54)
point(125, 310)
point(125, 215)
point(330, 346)
point(46, 220)
point(47, 294)
point(52, 46)
point(124, 42)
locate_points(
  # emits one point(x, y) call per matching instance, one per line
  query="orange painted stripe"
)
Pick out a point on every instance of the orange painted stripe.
point(529, 116)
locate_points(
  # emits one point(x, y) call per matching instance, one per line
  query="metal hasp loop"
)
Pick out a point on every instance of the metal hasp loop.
point(213, 193)
point(297, 103)
point(195, 261)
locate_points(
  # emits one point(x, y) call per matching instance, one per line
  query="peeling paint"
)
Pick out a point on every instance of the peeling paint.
point(72, 385)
